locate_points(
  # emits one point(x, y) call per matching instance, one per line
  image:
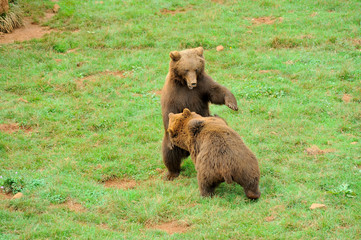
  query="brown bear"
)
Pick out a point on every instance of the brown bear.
point(188, 86)
point(217, 151)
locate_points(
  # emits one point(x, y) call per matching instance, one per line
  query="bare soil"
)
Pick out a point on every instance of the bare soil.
point(346, 98)
point(5, 196)
point(29, 31)
point(171, 227)
point(13, 127)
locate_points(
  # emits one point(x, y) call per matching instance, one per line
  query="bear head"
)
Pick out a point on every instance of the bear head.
point(183, 127)
point(187, 65)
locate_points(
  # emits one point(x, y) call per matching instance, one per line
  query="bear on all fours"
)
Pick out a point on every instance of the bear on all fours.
point(188, 86)
point(217, 152)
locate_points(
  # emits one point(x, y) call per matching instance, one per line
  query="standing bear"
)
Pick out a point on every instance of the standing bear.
point(188, 86)
point(217, 152)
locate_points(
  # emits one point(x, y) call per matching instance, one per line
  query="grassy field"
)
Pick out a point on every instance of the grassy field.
point(81, 127)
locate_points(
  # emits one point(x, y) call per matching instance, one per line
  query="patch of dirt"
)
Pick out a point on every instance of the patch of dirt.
point(266, 20)
point(5, 196)
point(120, 183)
point(165, 11)
point(74, 206)
point(13, 127)
point(171, 227)
point(313, 14)
point(314, 150)
point(346, 98)
point(27, 32)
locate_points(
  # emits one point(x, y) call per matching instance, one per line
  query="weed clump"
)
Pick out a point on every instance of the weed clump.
point(284, 43)
point(13, 185)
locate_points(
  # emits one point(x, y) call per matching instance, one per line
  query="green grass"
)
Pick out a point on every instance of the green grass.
point(80, 125)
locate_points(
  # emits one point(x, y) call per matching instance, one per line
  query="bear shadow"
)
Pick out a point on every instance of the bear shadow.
point(188, 169)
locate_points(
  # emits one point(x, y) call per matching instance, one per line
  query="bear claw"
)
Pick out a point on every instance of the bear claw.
point(232, 106)
point(170, 176)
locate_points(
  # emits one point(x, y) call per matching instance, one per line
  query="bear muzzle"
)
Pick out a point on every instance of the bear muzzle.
point(191, 79)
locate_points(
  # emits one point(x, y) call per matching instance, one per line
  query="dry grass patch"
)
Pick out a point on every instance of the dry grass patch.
point(314, 150)
point(266, 20)
point(171, 227)
point(70, 204)
point(82, 82)
point(74, 206)
point(269, 71)
point(120, 183)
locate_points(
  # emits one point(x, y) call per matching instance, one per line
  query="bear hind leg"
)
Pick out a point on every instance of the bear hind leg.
point(172, 158)
point(206, 185)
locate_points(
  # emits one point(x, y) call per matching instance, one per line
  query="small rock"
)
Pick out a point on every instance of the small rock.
point(353, 143)
point(18, 196)
point(317, 205)
point(220, 48)
point(56, 8)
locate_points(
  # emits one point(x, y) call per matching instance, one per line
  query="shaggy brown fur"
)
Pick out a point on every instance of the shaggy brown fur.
point(188, 86)
point(217, 151)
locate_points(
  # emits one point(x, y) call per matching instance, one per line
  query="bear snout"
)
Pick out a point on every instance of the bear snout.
point(192, 85)
point(191, 79)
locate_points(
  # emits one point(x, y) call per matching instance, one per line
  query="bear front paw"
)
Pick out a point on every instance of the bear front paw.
point(232, 106)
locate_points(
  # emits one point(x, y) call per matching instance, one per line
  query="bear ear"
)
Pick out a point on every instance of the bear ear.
point(175, 55)
point(199, 51)
point(186, 112)
point(195, 126)
point(170, 115)
point(170, 131)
